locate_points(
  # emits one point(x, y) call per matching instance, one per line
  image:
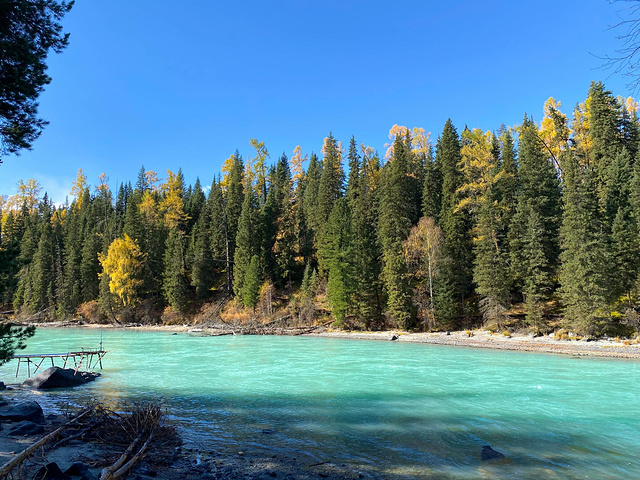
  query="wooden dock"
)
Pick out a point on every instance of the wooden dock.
point(84, 358)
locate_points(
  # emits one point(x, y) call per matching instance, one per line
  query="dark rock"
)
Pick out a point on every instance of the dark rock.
point(2, 386)
point(268, 431)
point(56, 377)
point(19, 412)
point(448, 333)
point(488, 453)
point(26, 429)
point(79, 469)
point(394, 337)
point(51, 471)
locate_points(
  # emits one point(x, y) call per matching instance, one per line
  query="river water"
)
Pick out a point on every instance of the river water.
point(395, 410)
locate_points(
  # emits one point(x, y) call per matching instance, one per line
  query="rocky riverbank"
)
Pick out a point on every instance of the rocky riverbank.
point(73, 455)
point(485, 339)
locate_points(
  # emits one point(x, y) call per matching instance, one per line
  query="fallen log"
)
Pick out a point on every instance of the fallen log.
point(109, 473)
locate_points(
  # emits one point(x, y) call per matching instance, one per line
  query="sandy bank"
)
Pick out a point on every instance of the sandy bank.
point(484, 339)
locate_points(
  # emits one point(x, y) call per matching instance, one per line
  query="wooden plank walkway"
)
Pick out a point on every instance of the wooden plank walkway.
point(88, 358)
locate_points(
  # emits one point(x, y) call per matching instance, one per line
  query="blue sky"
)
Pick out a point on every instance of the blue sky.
point(184, 84)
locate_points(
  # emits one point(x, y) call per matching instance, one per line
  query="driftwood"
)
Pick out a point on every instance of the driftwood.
point(262, 329)
point(120, 468)
point(23, 455)
point(77, 435)
point(143, 422)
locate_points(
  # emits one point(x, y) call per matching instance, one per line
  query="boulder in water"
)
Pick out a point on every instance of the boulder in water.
point(22, 411)
point(488, 453)
point(56, 377)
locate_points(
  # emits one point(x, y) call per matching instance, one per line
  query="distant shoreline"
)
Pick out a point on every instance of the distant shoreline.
point(479, 339)
point(516, 342)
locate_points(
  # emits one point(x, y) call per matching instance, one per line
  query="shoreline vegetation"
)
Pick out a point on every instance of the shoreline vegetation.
point(532, 228)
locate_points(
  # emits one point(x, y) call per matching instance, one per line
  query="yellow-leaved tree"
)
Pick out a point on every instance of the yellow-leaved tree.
point(78, 188)
point(259, 168)
point(123, 265)
point(172, 203)
point(554, 130)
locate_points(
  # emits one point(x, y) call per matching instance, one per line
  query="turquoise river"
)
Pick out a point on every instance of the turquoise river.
point(394, 410)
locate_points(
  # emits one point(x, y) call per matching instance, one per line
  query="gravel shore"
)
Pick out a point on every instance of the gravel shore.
point(485, 339)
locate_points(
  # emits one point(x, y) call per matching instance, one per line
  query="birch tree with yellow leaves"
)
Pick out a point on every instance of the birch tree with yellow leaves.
point(123, 266)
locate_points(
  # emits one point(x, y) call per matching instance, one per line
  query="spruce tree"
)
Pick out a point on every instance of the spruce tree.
point(233, 199)
point(250, 292)
point(176, 283)
point(310, 200)
point(247, 240)
point(331, 186)
point(584, 272)
point(395, 225)
point(432, 191)
point(624, 253)
point(605, 124)
point(194, 205)
point(454, 282)
point(335, 257)
point(539, 190)
point(200, 252)
point(537, 282)
point(366, 304)
point(217, 226)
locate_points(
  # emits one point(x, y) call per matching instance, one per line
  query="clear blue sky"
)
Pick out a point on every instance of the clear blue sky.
point(169, 84)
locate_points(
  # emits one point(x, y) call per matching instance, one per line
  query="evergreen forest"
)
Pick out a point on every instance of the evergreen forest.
point(534, 227)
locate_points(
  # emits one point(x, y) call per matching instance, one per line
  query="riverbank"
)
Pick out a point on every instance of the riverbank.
point(614, 348)
point(71, 455)
point(496, 341)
